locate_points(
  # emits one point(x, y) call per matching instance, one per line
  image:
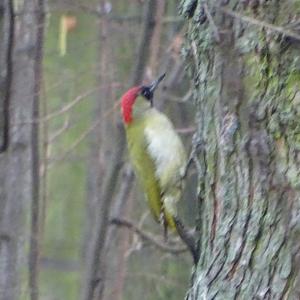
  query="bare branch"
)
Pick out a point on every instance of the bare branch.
point(259, 23)
point(60, 131)
point(186, 130)
point(65, 108)
point(84, 135)
point(148, 236)
point(76, 143)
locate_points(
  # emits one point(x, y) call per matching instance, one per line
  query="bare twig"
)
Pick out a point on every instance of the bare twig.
point(68, 106)
point(65, 108)
point(263, 24)
point(148, 236)
point(82, 137)
point(185, 98)
point(60, 131)
point(186, 130)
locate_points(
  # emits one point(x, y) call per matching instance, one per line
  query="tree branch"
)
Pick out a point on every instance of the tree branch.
point(147, 236)
point(83, 136)
point(263, 24)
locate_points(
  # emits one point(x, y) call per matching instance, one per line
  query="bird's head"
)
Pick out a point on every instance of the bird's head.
point(129, 98)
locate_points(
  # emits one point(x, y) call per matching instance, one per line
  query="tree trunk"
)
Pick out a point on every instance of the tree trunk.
point(246, 91)
point(35, 226)
point(104, 163)
point(21, 23)
point(97, 257)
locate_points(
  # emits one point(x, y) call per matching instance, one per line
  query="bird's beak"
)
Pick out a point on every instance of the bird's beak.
point(156, 82)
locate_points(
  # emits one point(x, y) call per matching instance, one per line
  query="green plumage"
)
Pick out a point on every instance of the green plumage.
point(160, 174)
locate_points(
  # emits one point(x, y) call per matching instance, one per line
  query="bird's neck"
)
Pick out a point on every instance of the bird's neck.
point(140, 108)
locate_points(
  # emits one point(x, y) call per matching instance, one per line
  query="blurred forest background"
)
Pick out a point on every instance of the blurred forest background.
point(73, 222)
point(93, 51)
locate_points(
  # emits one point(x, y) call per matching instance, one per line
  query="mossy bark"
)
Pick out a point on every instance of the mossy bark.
point(246, 92)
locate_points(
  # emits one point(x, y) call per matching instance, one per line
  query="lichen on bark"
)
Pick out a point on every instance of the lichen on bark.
point(245, 68)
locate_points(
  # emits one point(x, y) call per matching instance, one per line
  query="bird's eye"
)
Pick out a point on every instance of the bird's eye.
point(147, 93)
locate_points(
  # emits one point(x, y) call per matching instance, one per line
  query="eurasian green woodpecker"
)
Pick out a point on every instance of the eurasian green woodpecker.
point(157, 155)
point(156, 152)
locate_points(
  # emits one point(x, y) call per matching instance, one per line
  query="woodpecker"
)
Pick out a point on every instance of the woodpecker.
point(157, 155)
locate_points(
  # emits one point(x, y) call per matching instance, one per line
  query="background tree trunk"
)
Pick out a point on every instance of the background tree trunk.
point(245, 71)
point(18, 105)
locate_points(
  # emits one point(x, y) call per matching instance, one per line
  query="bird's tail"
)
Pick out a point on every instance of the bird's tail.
point(168, 222)
point(187, 238)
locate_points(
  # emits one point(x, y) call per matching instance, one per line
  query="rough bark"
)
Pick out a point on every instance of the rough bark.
point(245, 75)
point(16, 173)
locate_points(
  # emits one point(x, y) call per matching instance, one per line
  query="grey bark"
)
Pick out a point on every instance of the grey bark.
point(16, 173)
point(246, 149)
point(34, 251)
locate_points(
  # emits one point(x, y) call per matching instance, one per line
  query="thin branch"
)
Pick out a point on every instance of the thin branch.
point(82, 137)
point(186, 130)
point(185, 98)
point(65, 108)
point(68, 106)
point(85, 134)
point(148, 236)
point(60, 131)
point(259, 23)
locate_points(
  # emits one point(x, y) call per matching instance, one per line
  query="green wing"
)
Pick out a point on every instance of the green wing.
point(144, 166)
point(145, 171)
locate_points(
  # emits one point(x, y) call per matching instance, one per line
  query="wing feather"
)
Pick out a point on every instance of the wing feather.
point(168, 155)
point(144, 167)
point(158, 157)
